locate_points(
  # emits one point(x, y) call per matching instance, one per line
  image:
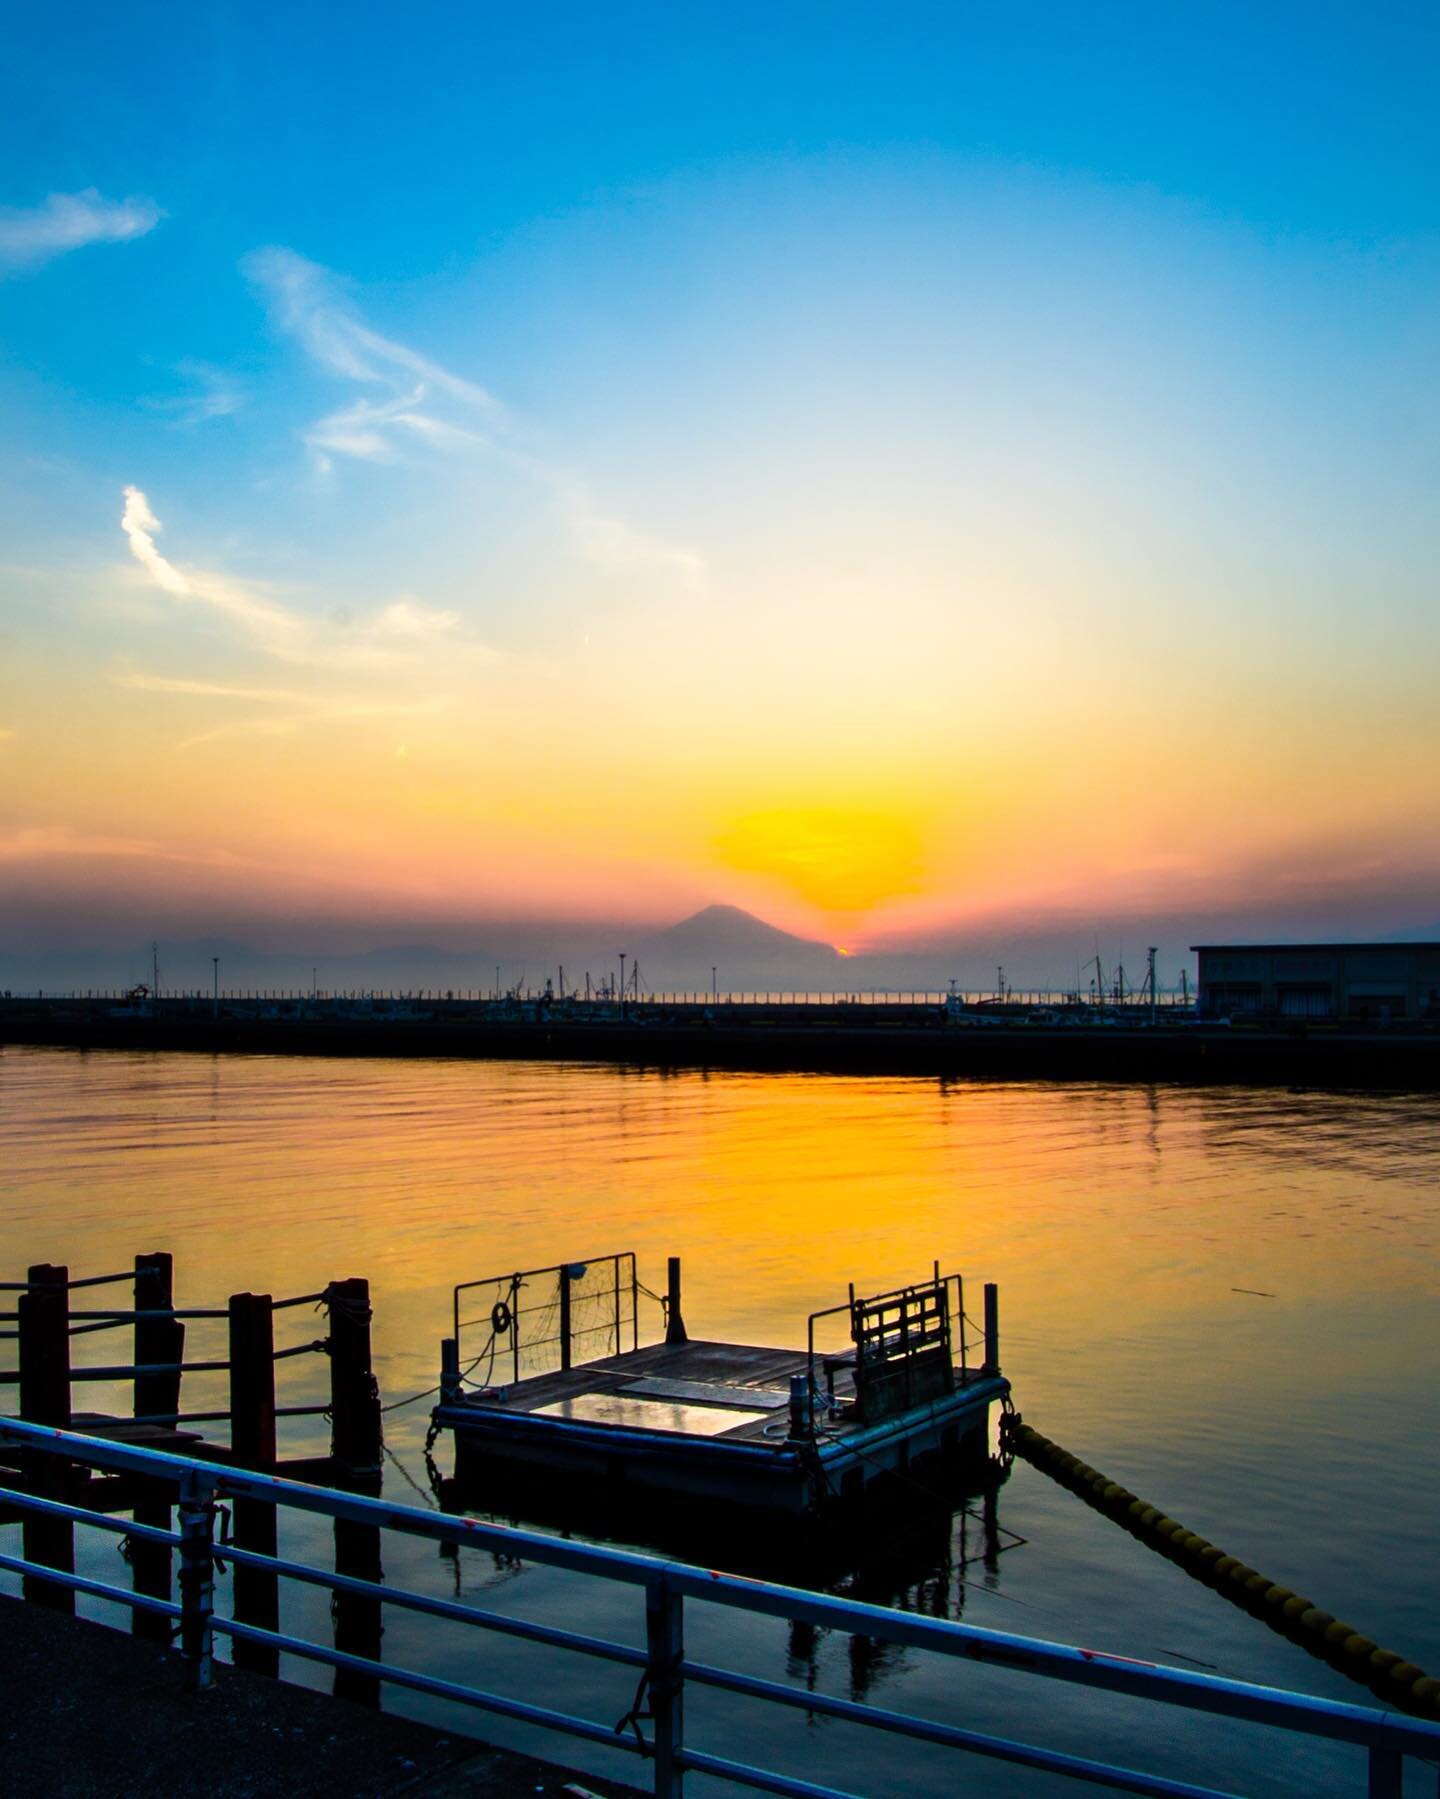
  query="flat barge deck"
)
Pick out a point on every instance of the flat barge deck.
point(784, 1430)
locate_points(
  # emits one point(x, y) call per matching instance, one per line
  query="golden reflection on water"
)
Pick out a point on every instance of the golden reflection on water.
point(1111, 1216)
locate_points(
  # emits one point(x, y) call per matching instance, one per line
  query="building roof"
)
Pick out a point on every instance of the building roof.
point(1269, 949)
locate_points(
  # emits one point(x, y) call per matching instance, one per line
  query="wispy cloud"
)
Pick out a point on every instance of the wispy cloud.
point(389, 637)
point(429, 407)
point(330, 712)
point(211, 690)
point(34, 235)
point(37, 843)
point(305, 299)
point(211, 394)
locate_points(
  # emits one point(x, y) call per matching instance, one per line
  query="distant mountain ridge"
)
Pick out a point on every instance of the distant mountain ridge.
point(743, 950)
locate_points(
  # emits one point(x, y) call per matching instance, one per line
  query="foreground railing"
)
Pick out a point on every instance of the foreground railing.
point(664, 1669)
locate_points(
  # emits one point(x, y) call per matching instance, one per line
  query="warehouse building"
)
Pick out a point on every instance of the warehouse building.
point(1375, 981)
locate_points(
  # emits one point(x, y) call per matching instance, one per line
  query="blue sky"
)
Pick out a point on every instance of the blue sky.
point(1053, 390)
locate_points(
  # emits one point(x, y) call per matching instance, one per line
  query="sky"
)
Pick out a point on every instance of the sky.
point(898, 469)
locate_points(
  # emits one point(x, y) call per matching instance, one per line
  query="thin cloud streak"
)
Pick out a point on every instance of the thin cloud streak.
point(38, 843)
point(303, 300)
point(342, 711)
point(216, 690)
point(33, 236)
point(213, 395)
point(392, 637)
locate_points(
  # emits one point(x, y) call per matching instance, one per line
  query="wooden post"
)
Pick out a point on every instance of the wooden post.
point(355, 1433)
point(992, 1328)
point(564, 1319)
point(44, 1344)
point(675, 1331)
point(357, 1620)
point(252, 1445)
point(356, 1441)
point(158, 1339)
point(665, 1653)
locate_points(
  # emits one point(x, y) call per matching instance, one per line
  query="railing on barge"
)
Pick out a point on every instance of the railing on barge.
point(666, 1672)
point(534, 1320)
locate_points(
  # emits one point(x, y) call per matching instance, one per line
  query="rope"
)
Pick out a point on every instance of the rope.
point(409, 1479)
point(1393, 1679)
point(396, 1404)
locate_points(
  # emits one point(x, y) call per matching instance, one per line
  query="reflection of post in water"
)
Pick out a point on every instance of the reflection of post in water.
point(159, 1343)
point(355, 1448)
point(800, 1655)
point(990, 1517)
point(252, 1445)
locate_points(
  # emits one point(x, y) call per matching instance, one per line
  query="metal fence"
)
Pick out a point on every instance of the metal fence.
point(666, 1673)
point(509, 1327)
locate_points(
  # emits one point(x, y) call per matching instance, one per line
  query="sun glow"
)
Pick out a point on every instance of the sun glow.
point(837, 859)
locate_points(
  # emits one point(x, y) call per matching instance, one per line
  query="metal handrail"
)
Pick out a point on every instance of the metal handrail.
point(1386, 1736)
point(513, 1282)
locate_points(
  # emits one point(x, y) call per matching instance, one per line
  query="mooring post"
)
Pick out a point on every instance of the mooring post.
point(44, 1344)
point(357, 1620)
point(159, 1336)
point(252, 1445)
point(355, 1432)
point(802, 1410)
point(449, 1370)
point(675, 1331)
point(992, 1329)
point(564, 1319)
point(356, 1448)
point(664, 1658)
point(159, 1340)
point(197, 1580)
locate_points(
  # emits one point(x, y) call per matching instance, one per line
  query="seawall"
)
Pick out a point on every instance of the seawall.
point(854, 1040)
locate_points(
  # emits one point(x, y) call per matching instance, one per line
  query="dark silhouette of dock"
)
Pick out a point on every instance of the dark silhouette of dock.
point(854, 1035)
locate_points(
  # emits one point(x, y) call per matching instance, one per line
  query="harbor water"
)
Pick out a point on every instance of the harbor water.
point(1225, 1298)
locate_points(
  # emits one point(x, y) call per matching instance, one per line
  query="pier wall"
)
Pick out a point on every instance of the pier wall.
point(874, 1039)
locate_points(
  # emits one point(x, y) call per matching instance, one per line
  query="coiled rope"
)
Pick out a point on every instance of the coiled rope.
point(1389, 1676)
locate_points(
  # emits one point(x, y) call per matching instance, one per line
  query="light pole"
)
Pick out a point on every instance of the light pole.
point(215, 986)
point(714, 986)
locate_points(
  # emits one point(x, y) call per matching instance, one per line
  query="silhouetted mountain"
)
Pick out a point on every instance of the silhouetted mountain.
point(744, 950)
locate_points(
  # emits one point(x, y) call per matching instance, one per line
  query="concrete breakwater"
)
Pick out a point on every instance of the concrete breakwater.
point(859, 1036)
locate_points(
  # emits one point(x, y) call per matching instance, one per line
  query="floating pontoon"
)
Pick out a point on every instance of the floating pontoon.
point(546, 1374)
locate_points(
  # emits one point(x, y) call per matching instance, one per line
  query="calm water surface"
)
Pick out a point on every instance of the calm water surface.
point(1225, 1298)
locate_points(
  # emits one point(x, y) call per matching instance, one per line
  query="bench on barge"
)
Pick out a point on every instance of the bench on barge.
point(546, 1376)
